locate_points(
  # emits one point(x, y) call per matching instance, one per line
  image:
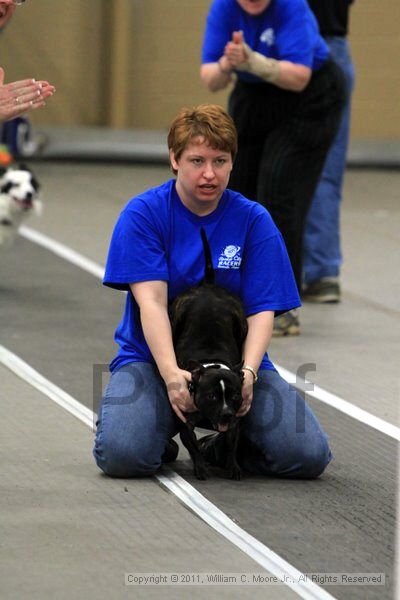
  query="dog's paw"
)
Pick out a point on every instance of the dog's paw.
point(235, 472)
point(201, 471)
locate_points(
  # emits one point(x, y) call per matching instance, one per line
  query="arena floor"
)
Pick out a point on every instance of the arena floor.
point(70, 532)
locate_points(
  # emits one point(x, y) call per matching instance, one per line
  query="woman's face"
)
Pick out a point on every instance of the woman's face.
point(254, 7)
point(7, 10)
point(202, 175)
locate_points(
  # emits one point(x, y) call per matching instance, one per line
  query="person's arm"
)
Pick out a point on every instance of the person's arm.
point(293, 77)
point(152, 298)
point(256, 344)
point(19, 97)
point(282, 73)
point(217, 75)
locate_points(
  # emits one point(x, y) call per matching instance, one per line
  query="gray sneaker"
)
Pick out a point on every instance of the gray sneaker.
point(325, 290)
point(286, 324)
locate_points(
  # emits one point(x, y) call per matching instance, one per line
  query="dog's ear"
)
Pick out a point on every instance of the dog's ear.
point(193, 364)
point(196, 374)
point(36, 184)
point(238, 369)
point(2, 171)
point(4, 189)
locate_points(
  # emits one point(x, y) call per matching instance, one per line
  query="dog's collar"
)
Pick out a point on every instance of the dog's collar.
point(208, 366)
point(219, 365)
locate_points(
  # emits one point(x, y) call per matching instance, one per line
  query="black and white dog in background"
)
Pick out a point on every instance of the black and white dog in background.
point(209, 328)
point(19, 191)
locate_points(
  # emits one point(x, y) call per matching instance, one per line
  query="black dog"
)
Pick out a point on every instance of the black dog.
point(209, 328)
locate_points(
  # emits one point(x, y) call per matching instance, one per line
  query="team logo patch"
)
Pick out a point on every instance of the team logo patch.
point(268, 36)
point(230, 258)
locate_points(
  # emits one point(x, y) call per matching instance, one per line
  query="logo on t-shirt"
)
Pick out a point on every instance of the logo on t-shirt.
point(268, 36)
point(230, 258)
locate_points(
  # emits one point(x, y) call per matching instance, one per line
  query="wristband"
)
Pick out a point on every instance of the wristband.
point(267, 69)
point(252, 371)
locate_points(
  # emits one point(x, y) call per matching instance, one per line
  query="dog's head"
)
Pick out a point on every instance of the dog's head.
point(21, 186)
point(217, 393)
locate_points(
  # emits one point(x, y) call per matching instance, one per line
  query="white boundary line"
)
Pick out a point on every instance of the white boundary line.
point(52, 391)
point(207, 511)
point(62, 251)
point(319, 393)
point(260, 553)
point(342, 405)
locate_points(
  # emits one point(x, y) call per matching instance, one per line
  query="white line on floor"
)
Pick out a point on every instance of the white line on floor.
point(207, 511)
point(62, 251)
point(319, 393)
point(218, 520)
point(342, 405)
point(36, 380)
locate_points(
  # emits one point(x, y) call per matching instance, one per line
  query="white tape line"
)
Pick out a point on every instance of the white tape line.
point(319, 393)
point(181, 488)
point(260, 553)
point(36, 380)
point(342, 405)
point(62, 251)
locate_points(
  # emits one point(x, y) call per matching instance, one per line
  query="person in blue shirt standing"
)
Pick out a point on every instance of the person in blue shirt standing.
point(286, 104)
point(156, 253)
point(322, 253)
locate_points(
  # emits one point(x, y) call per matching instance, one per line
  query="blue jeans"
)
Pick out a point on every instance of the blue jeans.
point(136, 420)
point(322, 255)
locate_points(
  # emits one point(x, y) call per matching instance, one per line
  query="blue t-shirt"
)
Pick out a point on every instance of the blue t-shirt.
point(157, 238)
point(285, 30)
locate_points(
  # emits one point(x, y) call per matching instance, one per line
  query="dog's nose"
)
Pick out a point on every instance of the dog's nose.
point(227, 413)
point(29, 196)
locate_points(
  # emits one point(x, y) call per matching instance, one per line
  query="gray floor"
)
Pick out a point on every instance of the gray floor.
point(59, 510)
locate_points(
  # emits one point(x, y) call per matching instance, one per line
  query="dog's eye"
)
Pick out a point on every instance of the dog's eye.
point(212, 397)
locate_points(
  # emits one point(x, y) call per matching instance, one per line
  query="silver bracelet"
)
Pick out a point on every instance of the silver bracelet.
point(252, 371)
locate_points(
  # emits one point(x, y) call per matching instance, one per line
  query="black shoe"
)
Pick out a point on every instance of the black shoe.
point(171, 452)
point(325, 290)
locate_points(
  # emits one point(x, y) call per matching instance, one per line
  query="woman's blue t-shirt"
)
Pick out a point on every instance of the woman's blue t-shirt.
point(285, 30)
point(157, 238)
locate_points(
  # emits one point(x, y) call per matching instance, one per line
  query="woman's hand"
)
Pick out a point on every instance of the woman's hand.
point(235, 50)
point(247, 393)
point(19, 97)
point(218, 75)
point(283, 73)
point(178, 393)
point(47, 90)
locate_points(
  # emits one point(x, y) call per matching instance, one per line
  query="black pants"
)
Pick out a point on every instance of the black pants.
point(284, 138)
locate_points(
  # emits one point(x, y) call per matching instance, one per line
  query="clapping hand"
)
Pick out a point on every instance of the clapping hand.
point(235, 50)
point(19, 97)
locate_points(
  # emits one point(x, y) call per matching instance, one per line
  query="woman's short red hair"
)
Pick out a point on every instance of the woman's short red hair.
point(208, 121)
